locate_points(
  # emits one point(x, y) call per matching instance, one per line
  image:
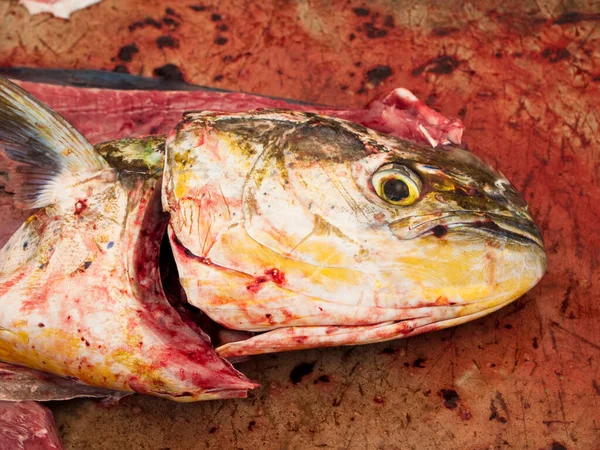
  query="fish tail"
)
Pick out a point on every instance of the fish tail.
point(46, 153)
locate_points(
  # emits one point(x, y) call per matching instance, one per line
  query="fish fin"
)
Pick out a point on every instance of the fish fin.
point(19, 384)
point(49, 153)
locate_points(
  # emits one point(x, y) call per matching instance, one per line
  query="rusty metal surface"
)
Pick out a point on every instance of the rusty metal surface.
point(524, 76)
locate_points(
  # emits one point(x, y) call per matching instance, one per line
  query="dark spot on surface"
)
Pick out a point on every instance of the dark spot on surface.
point(221, 40)
point(171, 12)
point(223, 27)
point(170, 22)
point(497, 406)
point(87, 264)
point(406, 364)
point(388, 351)
point(41, 325)
point(450, 398)
point(379, 399)
point(444, 31)
point(126, 53)
point(300, 371)
point(378, 74)
point(508, 326)
point(555, 54)
point(351, 36)
point(120, 68)
point(569, 17)
point(142, 23)
point(251, 425)
point(534, 342)
point(168, 72)
point(557, 446)
point(419, 362)
point(361, 12)
point(216, 17)
point(462, 112)
point(25, 245)
point(596, 386)
point(212, 430)
point(439, 65)
point(498, 55)
point(566, 300)
point(439, 231)
point(218, 77)
point(389, 21)
point(167, 41)
point(373, 32)
point(322, 379)
point(427, 393)
point(198, 7)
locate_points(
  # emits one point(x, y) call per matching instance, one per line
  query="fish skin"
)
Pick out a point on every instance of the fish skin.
point(275, 226)
point(79, 282)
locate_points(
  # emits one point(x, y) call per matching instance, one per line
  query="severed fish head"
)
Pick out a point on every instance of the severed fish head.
point(321, 232)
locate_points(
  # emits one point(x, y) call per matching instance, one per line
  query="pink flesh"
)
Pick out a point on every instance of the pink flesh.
point(27, 426)
point(105, 114)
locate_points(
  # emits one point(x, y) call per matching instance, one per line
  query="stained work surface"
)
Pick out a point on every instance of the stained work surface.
point(524, 76)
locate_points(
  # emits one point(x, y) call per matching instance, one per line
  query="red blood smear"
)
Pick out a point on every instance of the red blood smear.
point(274, 275)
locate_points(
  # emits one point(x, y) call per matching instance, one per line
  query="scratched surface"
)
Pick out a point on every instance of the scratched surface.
point(525, 78)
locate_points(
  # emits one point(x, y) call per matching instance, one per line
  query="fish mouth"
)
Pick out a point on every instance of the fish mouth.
point(509, 227)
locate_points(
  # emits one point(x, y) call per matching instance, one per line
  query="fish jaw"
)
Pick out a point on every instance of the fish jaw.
point(82, 298)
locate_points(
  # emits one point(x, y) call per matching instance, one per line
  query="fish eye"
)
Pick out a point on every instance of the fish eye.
point(397, 184)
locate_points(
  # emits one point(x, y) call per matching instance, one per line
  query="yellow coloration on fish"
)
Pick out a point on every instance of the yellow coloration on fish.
point(297, 224)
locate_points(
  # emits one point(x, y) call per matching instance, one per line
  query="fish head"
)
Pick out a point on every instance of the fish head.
point(288, 219)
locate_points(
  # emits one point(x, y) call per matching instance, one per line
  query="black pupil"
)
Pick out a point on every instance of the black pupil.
point(395, 190)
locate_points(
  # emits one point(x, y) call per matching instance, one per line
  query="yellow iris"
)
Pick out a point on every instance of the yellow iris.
point(397, 184)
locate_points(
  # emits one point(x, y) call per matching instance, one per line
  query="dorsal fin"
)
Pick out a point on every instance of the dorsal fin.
point(50, 153)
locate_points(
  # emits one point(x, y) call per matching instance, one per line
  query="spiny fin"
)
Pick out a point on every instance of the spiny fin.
point(50, 152)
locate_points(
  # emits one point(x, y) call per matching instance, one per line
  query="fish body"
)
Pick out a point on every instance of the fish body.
point(295, 229)
point(80, 288)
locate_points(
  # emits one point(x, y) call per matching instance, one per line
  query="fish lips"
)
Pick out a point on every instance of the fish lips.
point(439, 224)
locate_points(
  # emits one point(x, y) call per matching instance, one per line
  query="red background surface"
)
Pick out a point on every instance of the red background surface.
point(525, 78)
